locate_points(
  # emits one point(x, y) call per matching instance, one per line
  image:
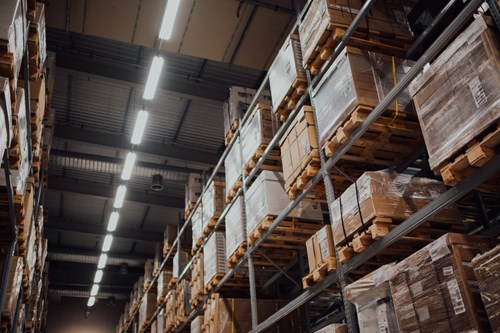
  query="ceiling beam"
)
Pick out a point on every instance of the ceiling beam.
point(147, 147)
point(63, 291)
point(82, 256)
point(69, 225)
point(107, 191)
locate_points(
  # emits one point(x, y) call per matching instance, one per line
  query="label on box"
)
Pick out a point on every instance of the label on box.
point(417, 288)
point(477, 90)
point(423, 314)
point(456, 297)
point(347, 86)
point(447, 271)
point(323, 243)
point(438, 249)
point(305, 146)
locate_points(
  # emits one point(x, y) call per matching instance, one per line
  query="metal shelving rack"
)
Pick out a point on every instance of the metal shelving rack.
point(450, 196)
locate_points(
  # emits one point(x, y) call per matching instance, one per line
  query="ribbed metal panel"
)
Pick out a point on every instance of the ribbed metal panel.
point(85, 294)
point(91, 259)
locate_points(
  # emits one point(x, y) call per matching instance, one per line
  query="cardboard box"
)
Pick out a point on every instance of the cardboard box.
point(194, 187)
point(197, 225)
point(196, 325)
point(213, 202)
point(333, 328)
point(457, 97)
point(147, 308)
point(233, 167)
point(197, 282)
point(214, 259)
point(148, 272)
point(181, 259)
point(5, 108)
point(236, 233)
point(164, 277)
point(311, 253)
point(487, 272)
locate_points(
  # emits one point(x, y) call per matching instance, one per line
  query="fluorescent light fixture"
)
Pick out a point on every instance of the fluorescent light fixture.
point(98, 276)
point(120, 196)
point(113, 221)
point(129, 166)
point(106, 245)
point(94, 290)
point(153, 78)
point(167, 25)
point(91, 301)
point(140, 125)
point(102, 261)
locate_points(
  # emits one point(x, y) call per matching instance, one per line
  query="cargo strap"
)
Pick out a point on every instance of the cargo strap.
point(395, 82)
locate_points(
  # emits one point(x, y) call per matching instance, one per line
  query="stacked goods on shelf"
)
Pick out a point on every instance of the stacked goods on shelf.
point(13, 37)
point(158, 258)
point(432, 290)
point(256, 134)
point(160, 322)
point(180, 261)
point(237, 105)
point(169, 237)
point(6, 109)
point(197, 284)
point(266, 199)
point(153, 327)
point(183, 308)
point(197, 228)
point(13, 290)
point(196, 325)
point(352, 87)
point(380, 200)
point(37, 39)
point(170, 312)
point(213, 205)
point(148, 273)
point(333, 328)
point(236, 233)
point(232, 171)
point(163, 284)
point(194, 187)
point(136, 297)
point(223, 314)
point(287, 78)
point(384, 29)
point(487, 271)
point(146, 309)
point(320, 256)
point(214, 260)
point(458, 104)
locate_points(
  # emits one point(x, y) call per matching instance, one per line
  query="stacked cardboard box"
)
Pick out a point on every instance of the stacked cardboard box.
point(326, 20)
point(164, 278)
point(160, 322)
point(213, 204)
point(320, 249)
point(487, 271)
point(148, 273)
point(287, 77)
point(431, 291)
point(256, 134)
point(37, 41)
point(236, 233)
point(233, 170)
point(196, 325)
point(197, 227)
point(214, 258)
point(194, 187)
point(147, 308)
point(197, 283)
point(180, 261)
point(333, 328)
point(458, 100)
point(237, 105)
point(6, 109)
point(13, 288)
point(158, 258)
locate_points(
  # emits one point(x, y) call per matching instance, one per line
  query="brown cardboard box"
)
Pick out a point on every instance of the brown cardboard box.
point(467, 74)
point(311, 255)
point(147, 308)
point(487, 271)
point(325, 247)
point(333, 328)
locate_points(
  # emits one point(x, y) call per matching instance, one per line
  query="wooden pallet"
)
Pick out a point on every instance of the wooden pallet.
point(189, 209)
point(297, 89)
point(272, 162)
point(386, 143)
point(234, 189)
point(232, 130)
point(166, 249)
point(482, 149)
point(7, 70)
point(290, 234)
point(373, 41)
point(235, 257)
point(311, 169)
point(319, 273)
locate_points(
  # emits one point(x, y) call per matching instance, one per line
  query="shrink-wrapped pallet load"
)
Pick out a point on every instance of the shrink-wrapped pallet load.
point(6, 111)
point(236, 233)
point(194, 187)
point(180, 260)
point(214, 258)
point(13, 287)
point(232, 170)
point(213, 203)
point(197, 227)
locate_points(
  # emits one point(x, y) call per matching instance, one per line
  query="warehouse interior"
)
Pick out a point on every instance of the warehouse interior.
point(243, 149)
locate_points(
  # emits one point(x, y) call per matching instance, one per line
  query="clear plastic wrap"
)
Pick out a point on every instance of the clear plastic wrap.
point(148, 272)
point(13, 287)
point(181, 258)
point(386, 17)
point(432, 291)
point(487, 271)
point(214, 258)
point(236, 233)
point(286, 68)
point(258, 131)
point(232, 167)
point(457, 98)
point(357, 77)
point(213, 202)
point(267, 196)
point(197, 224)
point(194, 187)
point(385, 194)
point(334, 328)
point(13, 29)
point(147, 308)
point(237, 105)
point(5, 108)
point(196, 325)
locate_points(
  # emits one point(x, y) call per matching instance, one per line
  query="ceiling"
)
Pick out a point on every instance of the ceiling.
point(103, 51)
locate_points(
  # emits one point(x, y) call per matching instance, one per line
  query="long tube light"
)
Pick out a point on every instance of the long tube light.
point(153, 78)
point(91, 301)
point(129, 166)
point(102, 261)
point(98, 276)
point(140, 125)
point(94, 290)
point(120, 196)
point(106, 245)
point(113, 221)
point(167, 25)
